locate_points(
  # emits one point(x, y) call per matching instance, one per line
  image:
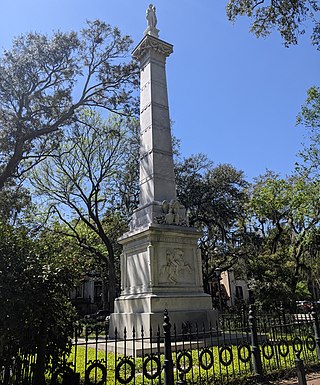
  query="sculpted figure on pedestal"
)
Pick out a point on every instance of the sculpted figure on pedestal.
point(172, 215)
point(152, 21)
point(171, 211)
point(151, 16)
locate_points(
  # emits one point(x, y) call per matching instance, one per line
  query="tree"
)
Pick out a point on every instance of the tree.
point(310, 112)
point(310, 118)
point(14, 199)
point(46, 82)
point(289, 17)
point(285, 215)
point(36, 316)
point(84, 185)
point(214, 198)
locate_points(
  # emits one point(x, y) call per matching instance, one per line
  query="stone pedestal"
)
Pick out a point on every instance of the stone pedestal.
point(161, 269)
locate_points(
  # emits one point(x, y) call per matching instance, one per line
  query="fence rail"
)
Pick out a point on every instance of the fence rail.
point(224, 354)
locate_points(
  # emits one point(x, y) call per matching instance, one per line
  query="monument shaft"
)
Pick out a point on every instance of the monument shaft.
point(161, 263)
point(157, 180)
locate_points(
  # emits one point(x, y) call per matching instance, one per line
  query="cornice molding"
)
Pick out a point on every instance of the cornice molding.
point(151, 43)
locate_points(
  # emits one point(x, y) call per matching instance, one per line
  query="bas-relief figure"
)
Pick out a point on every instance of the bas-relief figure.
point(175, 266)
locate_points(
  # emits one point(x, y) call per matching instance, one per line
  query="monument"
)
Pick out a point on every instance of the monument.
point(160, 264)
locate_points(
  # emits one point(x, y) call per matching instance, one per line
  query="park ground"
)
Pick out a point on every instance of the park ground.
point(312, 379)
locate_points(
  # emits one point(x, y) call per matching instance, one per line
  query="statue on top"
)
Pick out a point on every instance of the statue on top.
point(152, 21)
point(151, 16)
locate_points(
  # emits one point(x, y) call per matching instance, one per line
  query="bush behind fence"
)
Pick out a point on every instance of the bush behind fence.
point(232, 350)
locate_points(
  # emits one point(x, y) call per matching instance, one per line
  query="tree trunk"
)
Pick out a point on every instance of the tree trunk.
point(276, 238)
point(105, 293)
point(40, 367)
point(296, 253)
point(112, 284)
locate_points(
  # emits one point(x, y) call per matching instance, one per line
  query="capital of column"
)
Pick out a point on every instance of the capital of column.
point(151, 44)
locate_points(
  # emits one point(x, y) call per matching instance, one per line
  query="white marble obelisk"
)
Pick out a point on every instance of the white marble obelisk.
point(161, 264)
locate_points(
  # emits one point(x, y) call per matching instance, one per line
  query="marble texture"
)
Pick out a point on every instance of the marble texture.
point(161, 264)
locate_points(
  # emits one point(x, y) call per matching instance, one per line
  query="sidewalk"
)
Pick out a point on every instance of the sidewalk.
point(312, 379)
point(315, 380)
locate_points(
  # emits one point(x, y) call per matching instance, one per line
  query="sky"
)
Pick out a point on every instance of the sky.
point(232, 96)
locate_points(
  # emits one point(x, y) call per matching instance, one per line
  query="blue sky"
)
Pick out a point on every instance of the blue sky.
point(232, 96)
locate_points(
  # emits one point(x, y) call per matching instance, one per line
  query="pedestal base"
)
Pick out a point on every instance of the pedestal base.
point(161, 269)
point(145, 313)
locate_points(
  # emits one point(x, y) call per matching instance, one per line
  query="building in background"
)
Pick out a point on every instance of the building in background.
point(227, 291)
point(87, 297)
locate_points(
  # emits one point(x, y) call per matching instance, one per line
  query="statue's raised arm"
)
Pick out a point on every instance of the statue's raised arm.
point(151, 16)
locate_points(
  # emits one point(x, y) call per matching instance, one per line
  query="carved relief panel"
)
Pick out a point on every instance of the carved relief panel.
point(176, 268)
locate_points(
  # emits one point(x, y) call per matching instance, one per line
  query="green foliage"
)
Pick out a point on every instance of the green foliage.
point(310, 112)
point(35, 313)
point(302, 291)
point(285, 215)
point(269, 278)
point(14, 200)
point(287, 16)
point(309, 117)
point(45, 82)
point(215, 199)
point(270, 198)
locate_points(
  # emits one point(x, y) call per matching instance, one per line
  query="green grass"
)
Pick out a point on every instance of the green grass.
point(90, 355)
point(218, 366)
point(216, 370)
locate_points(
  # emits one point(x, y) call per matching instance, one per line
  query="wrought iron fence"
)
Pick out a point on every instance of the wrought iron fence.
point(224, 354)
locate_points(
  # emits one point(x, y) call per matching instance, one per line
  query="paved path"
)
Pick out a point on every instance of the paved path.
point(312, 379)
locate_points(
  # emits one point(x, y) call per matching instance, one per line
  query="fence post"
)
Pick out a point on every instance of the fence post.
point(282, 314)
point(316, 329)
point(168, 363)
point(300, 370)
point(243, 316)
point(256, 358)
